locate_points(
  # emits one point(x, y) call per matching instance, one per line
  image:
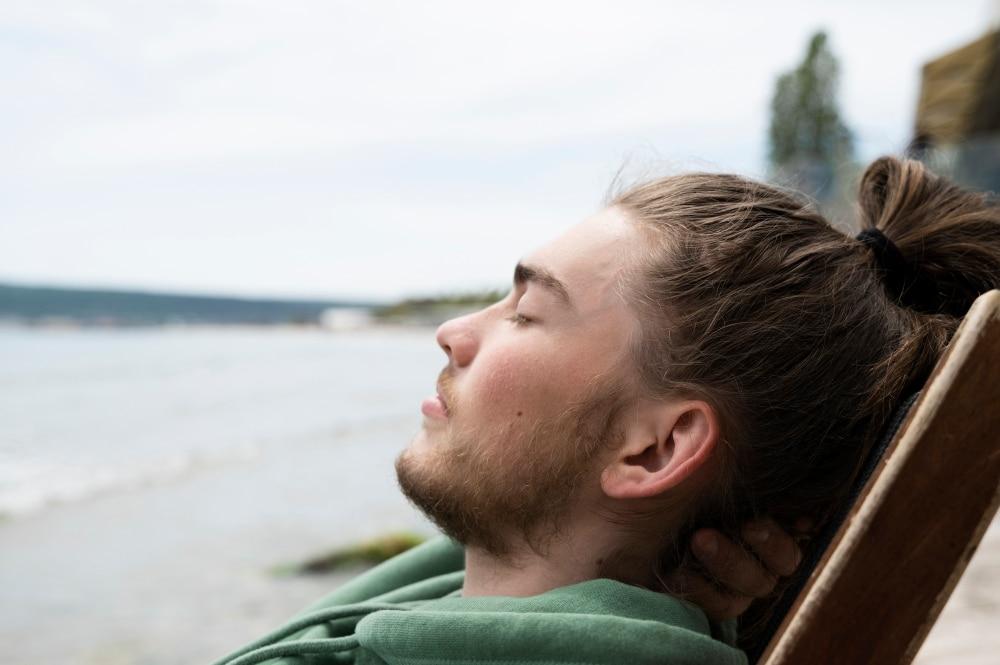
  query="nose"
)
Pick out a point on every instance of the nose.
point(458, 338)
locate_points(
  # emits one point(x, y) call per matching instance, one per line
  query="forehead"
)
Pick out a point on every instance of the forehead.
point(590, 257)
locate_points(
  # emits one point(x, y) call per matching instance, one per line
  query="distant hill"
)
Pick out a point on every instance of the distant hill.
point(38, 305)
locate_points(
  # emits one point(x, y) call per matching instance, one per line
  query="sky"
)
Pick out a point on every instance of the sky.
point(378, 150)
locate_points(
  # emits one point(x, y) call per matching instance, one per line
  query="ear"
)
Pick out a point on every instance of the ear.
point(665, 445)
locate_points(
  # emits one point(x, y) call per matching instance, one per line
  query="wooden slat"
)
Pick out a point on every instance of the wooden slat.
point(896, 559)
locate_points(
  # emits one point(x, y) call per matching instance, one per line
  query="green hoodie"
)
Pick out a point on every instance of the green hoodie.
point(410, 611)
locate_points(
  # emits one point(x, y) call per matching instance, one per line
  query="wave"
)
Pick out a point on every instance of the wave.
point(28, 486)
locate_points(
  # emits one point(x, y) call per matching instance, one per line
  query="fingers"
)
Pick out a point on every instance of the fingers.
point(775, 548)
point(743, 574)
point(733, 566)
point(718, 605)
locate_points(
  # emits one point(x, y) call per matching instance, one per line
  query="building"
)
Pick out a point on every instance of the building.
point(958, 114)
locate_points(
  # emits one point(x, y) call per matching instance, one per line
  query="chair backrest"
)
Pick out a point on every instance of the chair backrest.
point(878, 588)
point(757, 641)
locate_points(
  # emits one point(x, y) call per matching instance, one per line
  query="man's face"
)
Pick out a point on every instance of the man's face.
point(530, 404)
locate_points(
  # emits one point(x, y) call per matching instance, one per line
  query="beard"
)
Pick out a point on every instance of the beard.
point(513, 482)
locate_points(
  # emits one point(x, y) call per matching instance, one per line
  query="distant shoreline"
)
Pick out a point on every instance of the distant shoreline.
point(62, 308)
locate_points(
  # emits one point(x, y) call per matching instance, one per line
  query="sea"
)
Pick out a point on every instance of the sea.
point(152, 479)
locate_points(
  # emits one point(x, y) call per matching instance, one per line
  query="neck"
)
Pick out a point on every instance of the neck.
point(521, 574)
point(577, 555)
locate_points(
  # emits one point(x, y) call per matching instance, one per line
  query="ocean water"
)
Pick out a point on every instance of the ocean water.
point(151, 478)
point(90, 412)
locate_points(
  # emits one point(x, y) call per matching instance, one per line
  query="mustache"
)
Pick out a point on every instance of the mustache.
point(446, 383)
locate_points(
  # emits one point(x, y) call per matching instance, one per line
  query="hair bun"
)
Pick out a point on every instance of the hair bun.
point(942, 243)
point(905, 283)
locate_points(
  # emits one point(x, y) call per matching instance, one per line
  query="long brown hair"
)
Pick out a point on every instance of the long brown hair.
point(792, 330)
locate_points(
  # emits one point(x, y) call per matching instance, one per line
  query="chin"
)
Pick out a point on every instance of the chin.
point(420, 441)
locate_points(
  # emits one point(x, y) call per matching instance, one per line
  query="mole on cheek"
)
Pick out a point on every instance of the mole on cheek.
point(518, 413)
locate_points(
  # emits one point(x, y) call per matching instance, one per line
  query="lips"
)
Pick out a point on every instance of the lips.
point(433, 407)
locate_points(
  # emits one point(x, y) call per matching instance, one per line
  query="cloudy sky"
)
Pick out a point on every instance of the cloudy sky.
point(373, 149)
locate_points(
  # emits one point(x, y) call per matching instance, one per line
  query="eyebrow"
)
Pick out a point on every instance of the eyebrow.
point(539, 275)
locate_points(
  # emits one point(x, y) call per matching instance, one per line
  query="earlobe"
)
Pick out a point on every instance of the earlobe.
point(668, 445)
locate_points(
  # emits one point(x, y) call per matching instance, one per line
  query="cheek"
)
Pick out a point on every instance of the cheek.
point(522, 384)
point(508, 383)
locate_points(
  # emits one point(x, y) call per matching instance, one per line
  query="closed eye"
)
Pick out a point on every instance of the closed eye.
point(519, 319)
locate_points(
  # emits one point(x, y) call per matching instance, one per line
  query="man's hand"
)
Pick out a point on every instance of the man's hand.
point(745, 578)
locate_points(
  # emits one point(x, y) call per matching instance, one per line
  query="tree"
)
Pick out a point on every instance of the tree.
point(808, 140)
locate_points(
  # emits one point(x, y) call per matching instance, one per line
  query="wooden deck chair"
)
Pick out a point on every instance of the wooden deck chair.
point(877, 588)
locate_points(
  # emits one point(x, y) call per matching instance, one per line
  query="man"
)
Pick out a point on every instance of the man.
point(538, 461)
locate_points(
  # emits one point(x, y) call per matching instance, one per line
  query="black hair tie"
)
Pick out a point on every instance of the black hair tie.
point(907, 285)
